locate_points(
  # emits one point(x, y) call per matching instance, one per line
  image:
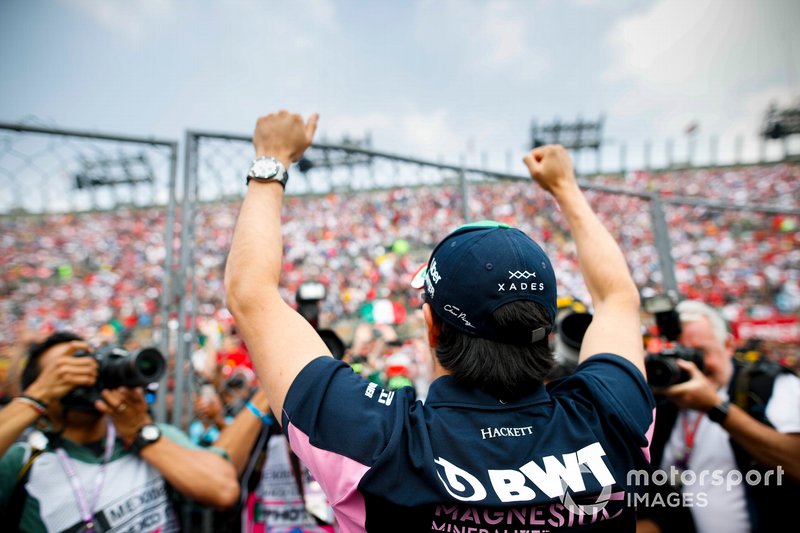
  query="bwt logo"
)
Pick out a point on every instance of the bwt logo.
point(553, 480)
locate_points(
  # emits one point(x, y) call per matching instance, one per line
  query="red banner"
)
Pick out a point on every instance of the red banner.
point(783, 329)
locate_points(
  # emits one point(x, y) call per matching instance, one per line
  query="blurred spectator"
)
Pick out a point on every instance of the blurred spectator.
point(60, 269)
point(278, 492)
point(735, 419)
point(209, 416)
point(111, 443)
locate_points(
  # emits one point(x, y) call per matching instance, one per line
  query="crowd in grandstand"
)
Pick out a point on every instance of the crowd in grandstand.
point(103, 272)
point(774, 185)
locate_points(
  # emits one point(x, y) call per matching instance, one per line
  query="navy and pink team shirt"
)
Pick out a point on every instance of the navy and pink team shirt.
point(464, 462)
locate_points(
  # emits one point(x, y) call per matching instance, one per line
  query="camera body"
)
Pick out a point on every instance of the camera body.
point(571, 325)
point(117, 368)
point(661, 366)
point(309, 296)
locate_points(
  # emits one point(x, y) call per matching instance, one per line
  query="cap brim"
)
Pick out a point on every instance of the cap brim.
point(418, 280)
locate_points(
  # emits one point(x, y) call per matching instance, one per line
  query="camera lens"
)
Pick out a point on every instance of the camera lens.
point(132, 370)
point(664, 371)
point(573, 327)
point(150, 364)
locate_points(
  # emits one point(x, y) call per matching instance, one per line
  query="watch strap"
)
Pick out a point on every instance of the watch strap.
point(281, 177)
point(282, 180)
point(140, 442)
point(719, 413)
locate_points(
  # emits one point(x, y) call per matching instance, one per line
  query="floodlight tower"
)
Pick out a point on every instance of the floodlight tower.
point(575, 136)
point(780, 124)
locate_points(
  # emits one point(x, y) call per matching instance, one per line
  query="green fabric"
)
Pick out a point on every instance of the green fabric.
point(483, 224)
point(10, 465)
point(12, 462)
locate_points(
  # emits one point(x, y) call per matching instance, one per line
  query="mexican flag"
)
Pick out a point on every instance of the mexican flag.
point(383, 311)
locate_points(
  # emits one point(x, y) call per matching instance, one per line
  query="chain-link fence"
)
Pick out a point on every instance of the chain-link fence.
point(86, 222)
point(87, 217)
point(98, 238)
point(361, 221)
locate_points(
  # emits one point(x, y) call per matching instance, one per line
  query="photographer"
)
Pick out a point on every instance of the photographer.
point(278, 492)
point(105, 465)
point(491, 444)
point(728, 419)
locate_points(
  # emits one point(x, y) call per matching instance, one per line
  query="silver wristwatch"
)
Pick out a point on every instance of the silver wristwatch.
point(268, 169)
point(147, 435)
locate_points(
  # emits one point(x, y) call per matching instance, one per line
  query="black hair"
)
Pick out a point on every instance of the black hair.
point(506, 371)
point(35, 352)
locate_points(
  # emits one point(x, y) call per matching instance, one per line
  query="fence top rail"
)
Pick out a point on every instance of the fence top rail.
point(699, 202)
point(583, 181)
point(88, 134)
point(348, 148)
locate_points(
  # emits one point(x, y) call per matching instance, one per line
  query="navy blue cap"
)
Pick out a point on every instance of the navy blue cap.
point(482, 266)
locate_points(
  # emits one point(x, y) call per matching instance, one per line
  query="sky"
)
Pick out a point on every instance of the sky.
point(445, 80)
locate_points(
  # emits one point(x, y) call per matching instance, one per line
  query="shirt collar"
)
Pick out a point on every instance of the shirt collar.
point(445, 391)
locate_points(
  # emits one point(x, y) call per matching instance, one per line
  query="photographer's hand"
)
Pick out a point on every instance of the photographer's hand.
point(64, 373)
point(767, 445)
point(208, 409)
point(201, 475)
point(60, 375)
point(128, 410)
point(698, 392)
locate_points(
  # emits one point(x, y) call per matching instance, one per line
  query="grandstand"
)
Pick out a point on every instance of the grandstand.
point(124, 270)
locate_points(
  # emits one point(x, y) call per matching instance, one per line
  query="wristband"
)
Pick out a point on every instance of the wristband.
point(265, 417)
point(719, 413)
point(37, 404)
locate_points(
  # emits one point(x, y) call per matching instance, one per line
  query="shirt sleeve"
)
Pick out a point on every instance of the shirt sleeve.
point(783, 408)
point(341, 412)
point(615, 387)
point(340, 424)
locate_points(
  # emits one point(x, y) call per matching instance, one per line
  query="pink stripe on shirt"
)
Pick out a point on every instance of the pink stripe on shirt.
point(339, 477)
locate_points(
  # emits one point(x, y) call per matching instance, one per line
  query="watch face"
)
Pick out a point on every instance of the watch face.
point(150, 433)
point(264, 168)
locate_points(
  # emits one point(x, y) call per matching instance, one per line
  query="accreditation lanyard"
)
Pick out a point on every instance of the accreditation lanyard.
point(86, 508)
point(689, 432)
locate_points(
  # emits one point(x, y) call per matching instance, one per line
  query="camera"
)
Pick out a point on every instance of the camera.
point(117, 368)
point(571, 326)
point(309, 295)
point(661, 366)
point(311, 291)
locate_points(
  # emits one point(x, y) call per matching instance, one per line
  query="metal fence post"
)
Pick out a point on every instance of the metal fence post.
point(187, 247)
point(663, 244)
point(167, 300)
point(462, 179)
